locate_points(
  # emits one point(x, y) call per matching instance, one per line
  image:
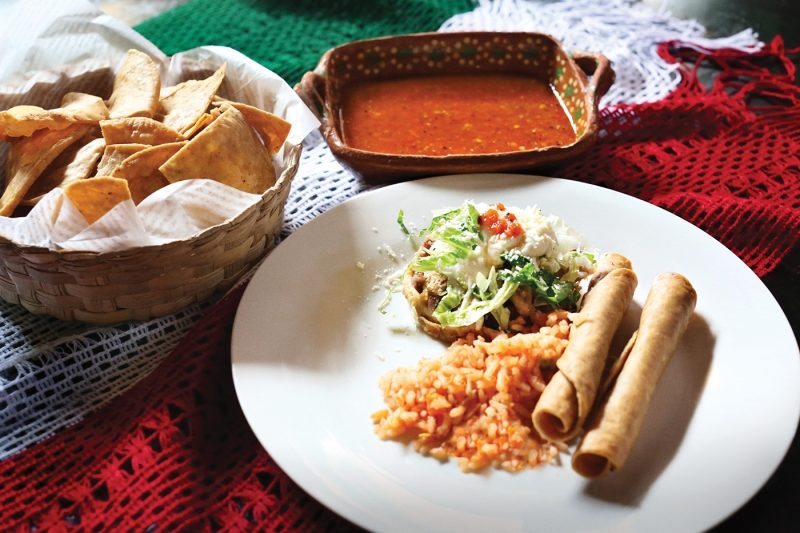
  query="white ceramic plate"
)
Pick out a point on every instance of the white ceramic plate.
point(309, 346)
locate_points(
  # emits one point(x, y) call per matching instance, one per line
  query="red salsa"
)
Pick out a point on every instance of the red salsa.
point(454, 114)
point(496, 220)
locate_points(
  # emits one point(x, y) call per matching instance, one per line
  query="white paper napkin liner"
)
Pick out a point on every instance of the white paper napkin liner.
point(189, 207)
point(118, 229)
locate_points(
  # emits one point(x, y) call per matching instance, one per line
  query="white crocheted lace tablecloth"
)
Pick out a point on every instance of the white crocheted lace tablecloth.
point(52, 373)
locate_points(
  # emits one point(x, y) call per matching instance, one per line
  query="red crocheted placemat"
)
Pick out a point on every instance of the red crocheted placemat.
point(175, 451)
point(724, 158)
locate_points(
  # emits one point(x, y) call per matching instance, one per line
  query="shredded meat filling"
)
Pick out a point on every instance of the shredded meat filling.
point(431, 287)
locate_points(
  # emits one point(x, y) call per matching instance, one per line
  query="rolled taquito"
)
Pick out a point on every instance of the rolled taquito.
point(568, 397)
point(616, 424)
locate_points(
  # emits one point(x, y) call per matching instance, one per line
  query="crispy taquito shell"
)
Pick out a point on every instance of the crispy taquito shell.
point(568, 398)
point(615, 427)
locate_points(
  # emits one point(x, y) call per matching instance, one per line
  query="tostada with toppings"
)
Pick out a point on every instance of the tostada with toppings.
point(493, 268)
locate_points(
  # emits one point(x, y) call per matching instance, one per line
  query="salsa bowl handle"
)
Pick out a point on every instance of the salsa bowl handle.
point(598, 69)
point(311, 88)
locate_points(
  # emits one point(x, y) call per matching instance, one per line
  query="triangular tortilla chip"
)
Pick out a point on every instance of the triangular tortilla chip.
point(228, 151)
point(189, 100)
point(204, 120)
point(77, 162)
point(141, 170)
point(167, 91)
point(141, 130)
point(136, 87)
point(97, 196)
point(76, 108)
point(272, 128)
point(29, 156)
point(115, 154)
point(86, 107)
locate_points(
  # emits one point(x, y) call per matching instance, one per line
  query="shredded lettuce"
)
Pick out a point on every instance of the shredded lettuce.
point(472, 309)
point(457, 233)
point(465, 218)
point(402, 224)
point(574, 261)
point(394, 283)
point(440, 220)
point(486, 288)
point(545, 285)
point(461, 308)
point(451, 300)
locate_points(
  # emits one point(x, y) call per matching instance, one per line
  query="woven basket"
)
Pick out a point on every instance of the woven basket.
point(145, 282)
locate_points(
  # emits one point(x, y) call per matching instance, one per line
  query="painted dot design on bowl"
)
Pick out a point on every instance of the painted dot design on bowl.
point(459, 53)
point(566, 82)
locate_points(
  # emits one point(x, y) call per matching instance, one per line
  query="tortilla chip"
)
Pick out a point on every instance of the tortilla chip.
point(272, 128)
point(88, 107)
point(77, 162)
point(167, 91)
point(136, 87)
point(141, 130)
point(76, 108)
point(141, 170)
point(23, 120)
point(189, 100)
point(204, 120)
point(28, 157)
point(97, 196)
point(115, 154)
point(228, 151)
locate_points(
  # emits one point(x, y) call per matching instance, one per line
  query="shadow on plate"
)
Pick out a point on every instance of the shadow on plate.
point(671, 409)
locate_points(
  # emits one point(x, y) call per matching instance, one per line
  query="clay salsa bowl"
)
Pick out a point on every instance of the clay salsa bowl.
point(579, 78)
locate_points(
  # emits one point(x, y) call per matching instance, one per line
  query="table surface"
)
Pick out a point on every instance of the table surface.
point(721, 17)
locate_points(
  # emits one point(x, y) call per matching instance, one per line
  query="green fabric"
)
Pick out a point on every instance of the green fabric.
point(289, 36)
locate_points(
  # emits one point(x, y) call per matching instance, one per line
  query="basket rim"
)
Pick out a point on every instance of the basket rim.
point(293, 152)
